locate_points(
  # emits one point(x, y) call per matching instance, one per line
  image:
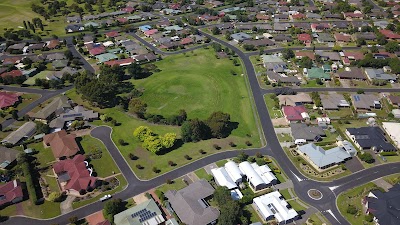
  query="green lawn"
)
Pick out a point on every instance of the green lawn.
point(312, 83)
point(284, 137)
point(104, 166)
point(27, 99)
point(285, 193)
point(212, 88)
point(44, 211)
point(353, 197)
point(253, 214)
point(13, 12)
point(393, 179)
point(273, 111)
point(176, 185)
point(202, 173)
point(45, 155)
point(342, 112)
point(296, 205)
point(41, 75)
point(315, 220)
point(221, 163)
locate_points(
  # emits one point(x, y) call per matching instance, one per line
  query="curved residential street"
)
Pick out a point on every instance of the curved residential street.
point(330, 190)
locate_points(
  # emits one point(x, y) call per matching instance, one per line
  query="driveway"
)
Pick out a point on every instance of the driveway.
point(283, 130)
point(354, 165)
point(209, 167)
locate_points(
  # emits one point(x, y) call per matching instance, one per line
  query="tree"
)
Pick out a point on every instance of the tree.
point(142, 132)
point(360, 42)
point(153, 144)
point(241, 157)
point(337, 48)
point(306, 62)
point(287, 53)
point(54, 196)
point(392, 46)
point(168, 140)
point(194, 130)
point(112, 208)
point(136, 71)
point(219, 124)
point(351, 209)
point(68, 54)
point(230, 209)
point(138, 107)
point(367, 157)
point(42, 128)
point(215, 31)
point(15, 114)
point(374, 49)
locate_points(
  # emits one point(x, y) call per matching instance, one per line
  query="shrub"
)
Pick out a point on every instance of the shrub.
point(367, 157)
point(216, 147)
point(82, 192)
point(351, 209)
point(187, 157)
point(54, 196)
point(169, 181)
point(251, 159)
point(259, 155)
point(122, 142)
point(73, 219)
point(232, 144)
point(171, 163)
point(132, 156)
point(248, 143)
point(201, 151)
point(388, 153)
point(369, 217)
point(140, 167)
point(156, 170)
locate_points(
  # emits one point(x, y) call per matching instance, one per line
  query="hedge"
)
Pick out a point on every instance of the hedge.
point(388, 153)
point(29, 182)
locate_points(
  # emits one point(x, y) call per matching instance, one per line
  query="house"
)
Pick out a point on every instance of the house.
point(106, 57)
point(370, 138)
point(58, 64)
point(240, 37)
point(280, 27)
point(62, 144)
point(322, 159)
point(259, 177)
point(34, 47)
point(318, 73)
point(151, 32)
point(394, 100)
point(319, 27)
point(351, 73)
point(353, 15)
point(55, 56)
point(74, 19)
point(304, 38)
point(379, 74)
point(73, 174)
point(273, 206)
point(97, 50)
point(52, 44)
point(222, 178)
point(384, 206)
point(365, 101)
point(146, 212)
point(91, 24)
point(324, 38)
point(325, 56)
point(23, 132)
point(112, 34)
point(12, 73)
point(313, 16)
point(333, 101)
point(54, 108)
point(390, 34)
point(259, 42)
point(190, 203)
point(8, 99)
point(8, 157)
point(70, 28)
point(18, 46)
point(295, 113)
point(282, 38)
point(148, 57)
point(301, 54)
point(77, 113)
point(298, 16)
point(305, 132)
point(368, 36)
point(281, 78)
point(120, 62)
point(294, 100)
point(392, 129)
point(60, 74)
point(10, 193)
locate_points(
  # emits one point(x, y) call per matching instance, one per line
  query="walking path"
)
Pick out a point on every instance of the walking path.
point(66, 205)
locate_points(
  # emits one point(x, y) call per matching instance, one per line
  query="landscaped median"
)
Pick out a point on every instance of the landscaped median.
point(200, 88)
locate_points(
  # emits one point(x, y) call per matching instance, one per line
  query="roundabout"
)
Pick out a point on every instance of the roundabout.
point(314, 194)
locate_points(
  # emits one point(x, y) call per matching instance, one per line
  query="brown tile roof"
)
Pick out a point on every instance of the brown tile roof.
point(62, 144)
point(11, 192)
point(394, 99)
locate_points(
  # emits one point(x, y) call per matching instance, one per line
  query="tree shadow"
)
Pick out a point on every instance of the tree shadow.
point(178, 144)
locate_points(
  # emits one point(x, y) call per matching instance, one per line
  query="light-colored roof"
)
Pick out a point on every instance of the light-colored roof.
point(364, 101)
point(57, 103)
point(272, 204)
point(293, 99)
point(222, 178)
point(106, 57)
point(26, 130)
point(146, 213)
point(257, 175)
point(392, 129)
point(378, 74)
point(333, 101)
point(321, 157)
point(233, 171)
point(271, 58)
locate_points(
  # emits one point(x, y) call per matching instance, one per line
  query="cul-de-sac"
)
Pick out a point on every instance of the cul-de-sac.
point(200, 112)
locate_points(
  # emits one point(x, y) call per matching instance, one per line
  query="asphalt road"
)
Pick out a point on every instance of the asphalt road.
point(330, 190)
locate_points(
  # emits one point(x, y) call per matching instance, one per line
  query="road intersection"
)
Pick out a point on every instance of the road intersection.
point(329, 190)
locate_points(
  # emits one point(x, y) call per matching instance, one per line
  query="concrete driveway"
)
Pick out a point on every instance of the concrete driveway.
point(354, 165)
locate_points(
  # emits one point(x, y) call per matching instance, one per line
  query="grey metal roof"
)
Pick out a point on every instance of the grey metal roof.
point(187, 203)
point(26, 130)
point(57, 103)
point(363, 101)
point(333, 101)
point(368, 137)
point(385, 207)
point(378, 74)
point(309, 133)
point(8, 155)
point(321, 157)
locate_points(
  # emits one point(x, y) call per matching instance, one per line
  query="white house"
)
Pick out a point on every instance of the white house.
point(259, 177)
point(274, 206)
point(222, 178)
point(234, 172)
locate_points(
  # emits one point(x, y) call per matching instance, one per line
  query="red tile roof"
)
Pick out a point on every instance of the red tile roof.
point(105, 222)
point(354, 55)
point(298, 16)
point(120, 62)
point(13, 73)
point(353, 15)
point(128, 9)
point(11, 60)
point(79, 176)
point(8, 99)
point(122, 20)
point(186, 41)
point(342, 37)
point(389, 34)
point(112, 34)
point(293, 113)
point(304, 37)
point(61, 143)
point(150, 32)
point(308, 54)
point(10, 192)
point(53, 43)
point(97, 50)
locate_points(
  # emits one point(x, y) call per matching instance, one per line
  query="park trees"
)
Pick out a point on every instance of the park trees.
point(194, 130)
point(153, 142)
point(137, 107)
point(219, 124)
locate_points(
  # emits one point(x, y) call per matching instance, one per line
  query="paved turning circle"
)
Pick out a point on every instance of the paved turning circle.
point(314, 194)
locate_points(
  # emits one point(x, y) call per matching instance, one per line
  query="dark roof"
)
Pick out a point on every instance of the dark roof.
point(259, 42)
point(7, 156)
point(188, 204)
point(386, 206)
point(309, 133)
point(394, 99)
point(353, 73)
point(10, 192)
point(368, 137)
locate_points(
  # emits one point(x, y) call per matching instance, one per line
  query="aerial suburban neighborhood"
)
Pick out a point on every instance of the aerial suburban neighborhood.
point(200, 112)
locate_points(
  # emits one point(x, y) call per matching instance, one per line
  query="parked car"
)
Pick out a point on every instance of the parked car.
point(105, 198)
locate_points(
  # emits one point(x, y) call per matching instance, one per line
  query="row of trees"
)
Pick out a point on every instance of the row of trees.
point(153, 142)
point(217, 125)
point(230, 210)
point(370, 61)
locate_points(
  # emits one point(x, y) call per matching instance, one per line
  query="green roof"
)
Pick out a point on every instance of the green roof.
point(139, 214)
point(106, 57)
point(315, 73)
point(114, 50)
point(326, 67)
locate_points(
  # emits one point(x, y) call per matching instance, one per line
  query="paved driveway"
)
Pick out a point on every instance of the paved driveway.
point(354, 165)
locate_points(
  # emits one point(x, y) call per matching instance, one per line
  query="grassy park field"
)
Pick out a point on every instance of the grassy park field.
point(167, 91)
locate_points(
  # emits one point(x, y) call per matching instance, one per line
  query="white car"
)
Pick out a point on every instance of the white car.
point(105, 197)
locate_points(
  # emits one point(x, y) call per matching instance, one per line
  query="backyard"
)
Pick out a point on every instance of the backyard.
point(272, 110)
point(167, 92)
